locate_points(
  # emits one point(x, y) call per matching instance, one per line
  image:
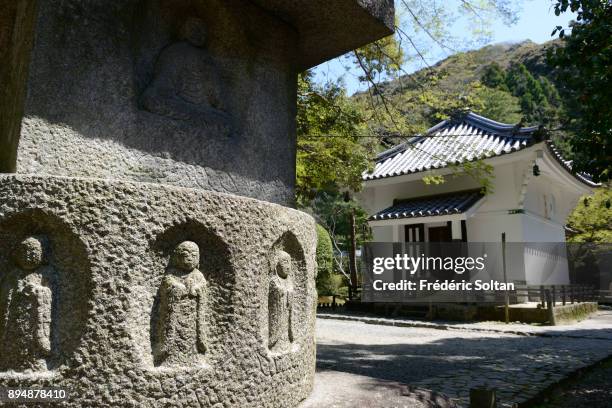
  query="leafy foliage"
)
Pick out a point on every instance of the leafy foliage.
point(325, 261)
point(331, 155)
point(539, 99)
point(584, 65)
point(380, 59)
point(592, 218)
point(497, 104)
point(494, 76)
point(331, 158)
point(333, 210)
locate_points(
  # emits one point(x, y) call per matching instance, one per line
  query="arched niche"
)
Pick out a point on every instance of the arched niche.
point(215, 264)
point(287, 249)
point(66, 255)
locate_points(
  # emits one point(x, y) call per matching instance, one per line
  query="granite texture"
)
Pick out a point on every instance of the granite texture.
point(192, 93)
point(328, 29)
point(120, 90)
point(127, 275)
point(161, 296)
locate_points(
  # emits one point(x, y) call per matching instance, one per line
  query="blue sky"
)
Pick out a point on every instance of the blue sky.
point(536, 22)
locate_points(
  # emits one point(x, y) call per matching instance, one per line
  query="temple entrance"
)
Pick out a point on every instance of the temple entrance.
point(440, 234)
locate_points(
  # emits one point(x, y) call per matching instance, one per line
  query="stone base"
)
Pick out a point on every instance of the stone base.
point(117, 336)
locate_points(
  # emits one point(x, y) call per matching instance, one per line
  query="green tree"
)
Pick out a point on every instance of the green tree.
point(421, 28)
point(380, 59)
point(592, 218)
point(550, 92)
point(529, 90)
point(325, 259)
point(331, 154)
point(331, 158)
point(584, 65)
point(494, 76)
point(497, 104)
point(333, 211)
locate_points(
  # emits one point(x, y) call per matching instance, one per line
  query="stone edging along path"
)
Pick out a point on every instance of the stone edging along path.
point(495, 327)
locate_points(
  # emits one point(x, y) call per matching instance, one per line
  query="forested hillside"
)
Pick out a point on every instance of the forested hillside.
point(509, 83)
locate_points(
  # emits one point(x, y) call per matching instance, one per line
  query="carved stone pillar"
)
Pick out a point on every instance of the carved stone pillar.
point(123, 126)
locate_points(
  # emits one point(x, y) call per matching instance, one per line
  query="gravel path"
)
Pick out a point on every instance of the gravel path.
point(598, 326)
point(335, 389)
point(453, 361)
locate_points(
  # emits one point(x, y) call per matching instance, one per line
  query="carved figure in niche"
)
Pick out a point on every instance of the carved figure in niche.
point(25, 309)
point(280, 300)
point(186, 84)
point(182, 309)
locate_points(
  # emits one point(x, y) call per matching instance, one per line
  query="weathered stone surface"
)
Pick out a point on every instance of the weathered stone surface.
point(154, 291)
point(198, 94)
point(328, 29)
point(180, 332)
point(125, 260)
point(26, 302)
point(116, 90)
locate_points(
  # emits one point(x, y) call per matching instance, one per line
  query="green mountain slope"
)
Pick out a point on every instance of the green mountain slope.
point(509, 83)
point(465, 67)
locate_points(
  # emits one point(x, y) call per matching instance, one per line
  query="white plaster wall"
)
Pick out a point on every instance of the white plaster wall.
point(539, 229)
point(506, 189)
point(546, 264)
point(382, 234)
point(488, 227)
point(375, 197)
point(549, 198)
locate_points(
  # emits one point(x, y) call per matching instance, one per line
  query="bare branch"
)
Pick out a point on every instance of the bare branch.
point(426, 30)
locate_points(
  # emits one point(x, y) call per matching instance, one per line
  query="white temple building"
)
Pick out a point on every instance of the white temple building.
point(533, 189)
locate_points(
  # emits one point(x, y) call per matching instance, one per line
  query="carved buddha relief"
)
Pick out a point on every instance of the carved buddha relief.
point(280, 302)
point(186, 83)
point(182, 309)
point(25, 309)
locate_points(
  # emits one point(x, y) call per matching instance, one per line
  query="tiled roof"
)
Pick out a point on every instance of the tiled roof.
point(470, 137)
point(463, 139)
point(567, 164)
point(446, 204)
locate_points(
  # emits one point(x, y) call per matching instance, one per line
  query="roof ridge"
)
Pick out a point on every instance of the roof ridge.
point(488, 125)
point(481, 119)
point(494, 126)
point(567, 164)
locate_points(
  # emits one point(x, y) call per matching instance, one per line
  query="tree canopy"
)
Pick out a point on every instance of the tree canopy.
point(592, 218)
point(584, 65)
point(331, 154)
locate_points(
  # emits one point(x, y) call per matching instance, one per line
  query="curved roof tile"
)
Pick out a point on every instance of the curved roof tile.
point(466, 138)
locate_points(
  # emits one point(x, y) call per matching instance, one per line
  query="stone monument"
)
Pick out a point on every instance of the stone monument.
point(148, 254)
point(181, 333)
point(25, 310)
point(280, 302)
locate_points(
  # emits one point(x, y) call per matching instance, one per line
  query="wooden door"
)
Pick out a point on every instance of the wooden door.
point(440, 234)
